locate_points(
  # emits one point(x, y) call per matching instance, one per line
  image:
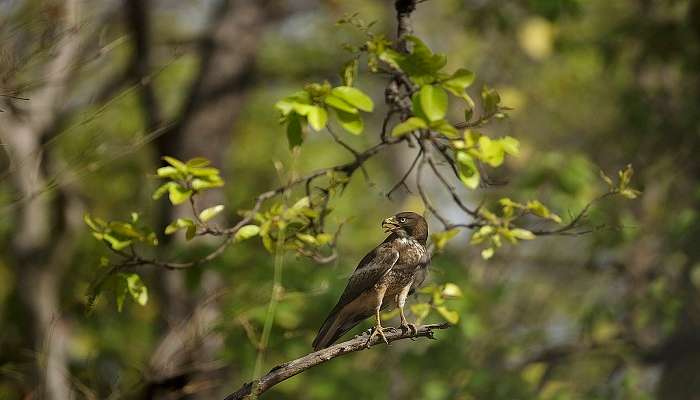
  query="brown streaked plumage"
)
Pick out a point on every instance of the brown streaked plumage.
point(384, 277)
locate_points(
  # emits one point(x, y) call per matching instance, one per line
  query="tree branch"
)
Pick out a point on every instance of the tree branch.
point(402, 181)
point(287, 370)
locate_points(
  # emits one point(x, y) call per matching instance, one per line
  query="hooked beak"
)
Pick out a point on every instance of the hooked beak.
point(390, 224)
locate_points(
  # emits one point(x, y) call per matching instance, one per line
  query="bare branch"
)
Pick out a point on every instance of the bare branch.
point(402, 181)
point(135, 260)
point(404, 8)
point(289, 369)
point(451, 189)
point(341, 142)
point(419, 185)
point(576, 220)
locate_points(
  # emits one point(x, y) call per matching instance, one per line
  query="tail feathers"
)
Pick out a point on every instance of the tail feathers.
point(335, 326)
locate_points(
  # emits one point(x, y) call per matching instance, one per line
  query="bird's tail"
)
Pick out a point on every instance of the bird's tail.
point(335, 326)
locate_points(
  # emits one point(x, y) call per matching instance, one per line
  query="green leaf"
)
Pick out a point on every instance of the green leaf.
point(421, 64)
point(180, 223)
point(607, 179)
point(450, 316)
point(122, 289)
point(137, 289)
point(247, 232)
point(483, 233)
point(317, 90)
point(355, 97)
point(95, 224)
point(208, 183)
point(468, 113)
point(491, 99)
point(445, 128)
point(168, 172)
point(324, 238)
point(538, 208)
point(178, 194)
point(492, 151)
point(308, 239)
point(317, 118)
point(625, 175)
point(630, 193)
point(408, 126)
point(440, 239)
point(294, 135)
point(303, 109)
point(198, 162)
point(462, 78)
point(487, 253)
point(510, 145)
point(190, 232)
point(452, 290)
point(522, 234)
point(433, 102)
point(416, 107)
point(350, 72)
point(350, 122)
point(339, 104)
point(115, 243)
point(389, 56)
point(290, 103)
point(212, 173)
point(301, 203)
point(179, 165)
point(162, 189)
point(468, 173)
point(458, 82)
point(152, 239)
point(623, 186)
point(125, 229)
point(210, 212)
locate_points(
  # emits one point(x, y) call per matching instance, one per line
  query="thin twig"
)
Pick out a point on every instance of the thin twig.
point(341, 142)
point(451, 189)
point(575, 221)
point(402, 181)
point(426, 201)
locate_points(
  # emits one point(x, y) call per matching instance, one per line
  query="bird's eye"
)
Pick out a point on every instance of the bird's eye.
point(402, 220)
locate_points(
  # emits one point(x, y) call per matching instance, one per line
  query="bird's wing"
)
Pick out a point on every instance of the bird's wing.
point(368, 272)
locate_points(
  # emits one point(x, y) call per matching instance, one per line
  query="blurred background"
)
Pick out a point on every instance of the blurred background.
point(103, 89)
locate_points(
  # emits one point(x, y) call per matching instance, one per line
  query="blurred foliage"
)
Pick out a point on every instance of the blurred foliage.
point(592, 85)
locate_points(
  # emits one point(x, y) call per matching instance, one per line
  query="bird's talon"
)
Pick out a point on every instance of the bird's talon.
point(377, 330)
point(410, 327)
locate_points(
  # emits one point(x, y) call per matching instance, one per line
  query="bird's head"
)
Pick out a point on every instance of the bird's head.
point(407, 224)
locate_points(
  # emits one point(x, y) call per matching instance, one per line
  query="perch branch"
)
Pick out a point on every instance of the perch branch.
point(287, 370)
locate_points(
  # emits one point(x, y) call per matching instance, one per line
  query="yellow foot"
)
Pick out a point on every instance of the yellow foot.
point(377, 330)
point(411, 327)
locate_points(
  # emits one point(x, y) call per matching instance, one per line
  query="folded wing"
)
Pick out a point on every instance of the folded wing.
point(348, 313)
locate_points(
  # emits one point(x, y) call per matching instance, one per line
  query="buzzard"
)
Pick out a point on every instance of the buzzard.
point(384, 278)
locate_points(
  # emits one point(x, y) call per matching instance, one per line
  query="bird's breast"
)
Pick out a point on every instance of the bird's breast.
point(401, 274)
point(410, 252)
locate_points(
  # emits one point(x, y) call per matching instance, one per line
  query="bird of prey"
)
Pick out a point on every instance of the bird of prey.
point(384, 278)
